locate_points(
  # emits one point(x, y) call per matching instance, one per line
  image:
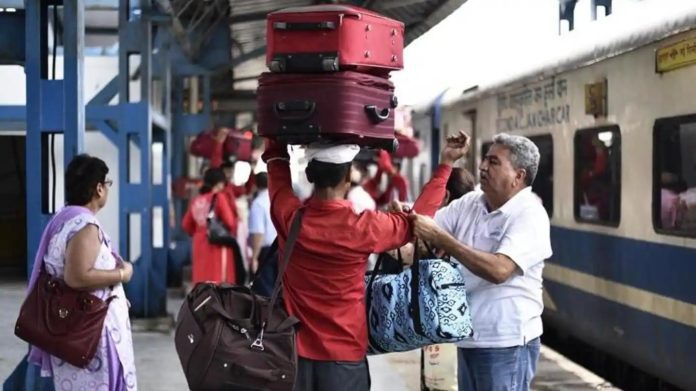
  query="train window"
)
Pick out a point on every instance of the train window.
point(598, 175)
point(674, 176)
point(543, 183)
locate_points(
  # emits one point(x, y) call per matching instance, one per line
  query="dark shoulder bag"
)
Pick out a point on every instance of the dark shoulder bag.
point(220, 235)
point(229, 338)
point(66, 323)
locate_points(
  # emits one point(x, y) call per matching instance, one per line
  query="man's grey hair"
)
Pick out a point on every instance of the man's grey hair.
point(523, 154)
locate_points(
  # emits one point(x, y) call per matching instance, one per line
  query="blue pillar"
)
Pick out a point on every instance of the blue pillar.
point(36, 69)
point(147, 290)
point(53, 107)
point(74, 43)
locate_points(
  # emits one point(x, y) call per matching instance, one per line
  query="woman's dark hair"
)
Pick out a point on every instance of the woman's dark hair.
point(326, 174)
point(82, 176)
point(211, 178)
point(460, 182)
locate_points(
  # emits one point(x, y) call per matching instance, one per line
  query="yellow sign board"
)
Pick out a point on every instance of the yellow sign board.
point(596, 98)
point(676, 55)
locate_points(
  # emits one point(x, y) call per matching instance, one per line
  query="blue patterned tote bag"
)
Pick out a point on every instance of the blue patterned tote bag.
point(423, 305)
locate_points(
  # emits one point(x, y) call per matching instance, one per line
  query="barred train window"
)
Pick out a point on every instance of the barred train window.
point(674, 177)
point(543, 183)
point(598, 175)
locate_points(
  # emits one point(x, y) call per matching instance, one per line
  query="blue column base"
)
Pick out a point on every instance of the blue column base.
point(152, 302)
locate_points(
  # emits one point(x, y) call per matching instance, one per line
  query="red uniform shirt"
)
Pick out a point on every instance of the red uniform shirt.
point(324, 282)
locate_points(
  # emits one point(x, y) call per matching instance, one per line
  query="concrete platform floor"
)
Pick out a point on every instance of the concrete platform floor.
point(159, 369)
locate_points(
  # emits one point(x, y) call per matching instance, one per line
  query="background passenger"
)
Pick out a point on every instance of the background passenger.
point(211, 262)
point(74, 247)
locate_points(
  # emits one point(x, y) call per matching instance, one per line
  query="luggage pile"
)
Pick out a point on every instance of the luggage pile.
point(329, 78)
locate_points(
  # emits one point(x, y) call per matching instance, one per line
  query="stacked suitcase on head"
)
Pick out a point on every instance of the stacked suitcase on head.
point(329, 78)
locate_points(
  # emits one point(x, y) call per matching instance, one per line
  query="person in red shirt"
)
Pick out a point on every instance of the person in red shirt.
point(323, 285)
point(397, 187)
point(210, 262)
point(218, 159)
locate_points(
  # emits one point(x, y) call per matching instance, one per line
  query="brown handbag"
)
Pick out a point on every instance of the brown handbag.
point(229, 338)
point(62, 321)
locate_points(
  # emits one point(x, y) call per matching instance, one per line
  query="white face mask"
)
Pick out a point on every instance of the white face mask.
point(355, 175)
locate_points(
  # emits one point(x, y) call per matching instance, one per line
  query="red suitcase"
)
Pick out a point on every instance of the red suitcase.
point(348, 107)
point(408, 147)
point(203, 145)
point(332, 38)
point(237, 143)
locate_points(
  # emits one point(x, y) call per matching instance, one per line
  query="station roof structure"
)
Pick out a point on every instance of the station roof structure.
point(247, 25)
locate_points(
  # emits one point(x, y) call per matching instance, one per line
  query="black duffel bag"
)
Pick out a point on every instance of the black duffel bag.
point(229, 338)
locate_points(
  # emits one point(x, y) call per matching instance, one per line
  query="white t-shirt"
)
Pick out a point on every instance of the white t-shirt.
point(508, 314)
point(360, 199)
point(260, 218)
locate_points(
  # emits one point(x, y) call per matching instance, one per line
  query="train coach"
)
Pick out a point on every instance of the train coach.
point(615, 122)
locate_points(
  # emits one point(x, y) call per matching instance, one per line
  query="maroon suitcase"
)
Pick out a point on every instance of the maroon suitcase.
point(238, 143)
point(408, 147)
point(332, 38)
point(347, 107)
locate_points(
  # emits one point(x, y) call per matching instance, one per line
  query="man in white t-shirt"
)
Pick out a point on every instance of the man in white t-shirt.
point(262, 233)
point(501, 236)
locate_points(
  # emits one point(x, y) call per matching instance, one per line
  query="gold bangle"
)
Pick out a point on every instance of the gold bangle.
point(120, 275)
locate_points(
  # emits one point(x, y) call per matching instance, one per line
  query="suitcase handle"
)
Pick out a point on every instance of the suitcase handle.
point(304, 107)
point(304, 26)
point(376, 115)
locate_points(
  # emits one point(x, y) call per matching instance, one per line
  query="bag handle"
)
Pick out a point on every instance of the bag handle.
point(212, 207)
point(378, 264)
point(305, 26)
point(304, 110)
point(289, 246)
point(377, 115)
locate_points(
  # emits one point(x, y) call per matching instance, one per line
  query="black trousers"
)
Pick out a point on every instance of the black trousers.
point(267, 272)
point(332, 375)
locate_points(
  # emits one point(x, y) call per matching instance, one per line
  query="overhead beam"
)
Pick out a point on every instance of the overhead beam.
point(237, 101)
point(177, 27)
point(244, 57)
point(95, 30)
point(391, 4)
point(89, 4)
point(252, 17)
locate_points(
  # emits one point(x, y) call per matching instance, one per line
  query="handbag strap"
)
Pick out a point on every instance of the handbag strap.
point(212, 206)
point(289, 246)
point(378, 265)
point(375, 271)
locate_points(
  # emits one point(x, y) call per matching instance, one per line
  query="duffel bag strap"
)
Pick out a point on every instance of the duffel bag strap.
point(289, 246)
